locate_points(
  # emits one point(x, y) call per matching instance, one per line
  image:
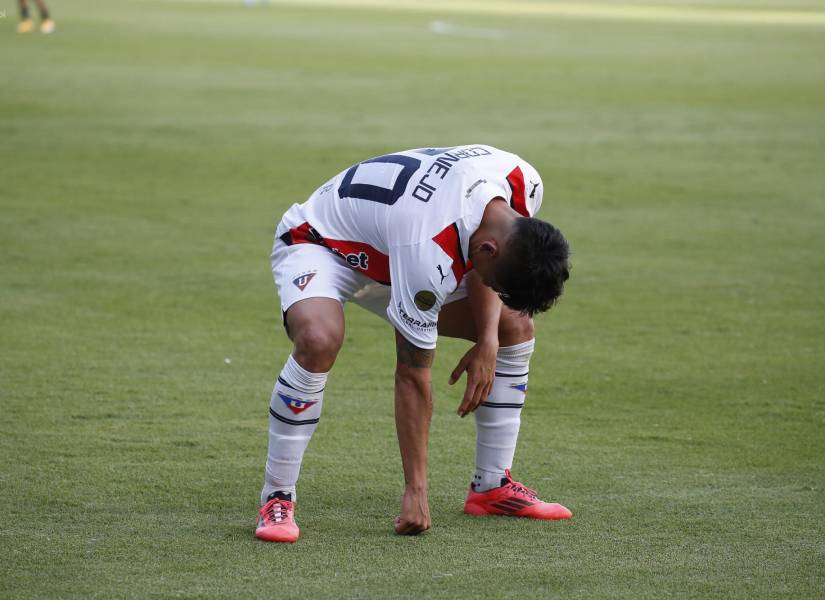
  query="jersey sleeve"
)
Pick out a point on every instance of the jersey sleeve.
point(416, 293)
point(525, 191)
point(521, 186)
point(533, 189)
point(481, 191)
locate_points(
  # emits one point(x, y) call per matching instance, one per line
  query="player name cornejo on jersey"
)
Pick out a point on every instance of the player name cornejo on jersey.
point(441, 166)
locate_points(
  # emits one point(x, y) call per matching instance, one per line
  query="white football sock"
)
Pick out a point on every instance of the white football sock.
point(294, 412)
point(499, 416)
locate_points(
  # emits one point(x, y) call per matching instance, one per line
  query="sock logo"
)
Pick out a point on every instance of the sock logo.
point(303, 280)
point(296, 405)
point(522, 387)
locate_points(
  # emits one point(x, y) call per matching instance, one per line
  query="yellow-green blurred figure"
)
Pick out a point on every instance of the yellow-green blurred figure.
point(26, 24)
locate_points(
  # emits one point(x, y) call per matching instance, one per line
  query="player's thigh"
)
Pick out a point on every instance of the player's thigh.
point(456, 320)
point(316, 327)
point(313, 285)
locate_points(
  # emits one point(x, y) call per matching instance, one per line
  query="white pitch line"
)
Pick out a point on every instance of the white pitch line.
point(581, 10)
point(445, 28)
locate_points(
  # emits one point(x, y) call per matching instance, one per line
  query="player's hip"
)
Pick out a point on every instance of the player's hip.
point(308, 270)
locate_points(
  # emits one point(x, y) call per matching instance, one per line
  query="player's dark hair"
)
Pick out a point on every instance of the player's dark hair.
point(534, 266)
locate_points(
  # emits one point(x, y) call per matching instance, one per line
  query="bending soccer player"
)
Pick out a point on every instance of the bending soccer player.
point(437, 241)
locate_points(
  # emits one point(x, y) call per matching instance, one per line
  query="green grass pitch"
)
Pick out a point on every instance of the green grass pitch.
point(677, 398)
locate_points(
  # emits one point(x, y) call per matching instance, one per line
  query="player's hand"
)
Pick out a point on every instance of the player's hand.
point(415, 513)
point(480, 364)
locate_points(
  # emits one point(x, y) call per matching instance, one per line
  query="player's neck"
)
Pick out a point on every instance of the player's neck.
point(494, 229)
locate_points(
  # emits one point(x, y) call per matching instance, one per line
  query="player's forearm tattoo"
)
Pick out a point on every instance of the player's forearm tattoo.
point(412, 356)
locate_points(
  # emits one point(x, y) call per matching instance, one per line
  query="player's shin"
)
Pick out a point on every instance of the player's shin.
point(498, 418)
point(294, 412)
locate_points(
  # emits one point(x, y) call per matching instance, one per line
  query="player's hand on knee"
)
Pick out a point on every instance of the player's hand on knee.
point(415, 513)
point(480, 364)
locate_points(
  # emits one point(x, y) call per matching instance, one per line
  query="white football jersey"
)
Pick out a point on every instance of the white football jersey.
point(405, 220)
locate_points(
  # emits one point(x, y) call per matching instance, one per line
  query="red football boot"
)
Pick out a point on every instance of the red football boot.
point(276, 519)
point(513, 499)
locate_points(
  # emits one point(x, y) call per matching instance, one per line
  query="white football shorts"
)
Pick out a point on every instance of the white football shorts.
point(304, 271)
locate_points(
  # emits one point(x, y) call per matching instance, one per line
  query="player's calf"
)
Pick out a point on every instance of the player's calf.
point(514, 327)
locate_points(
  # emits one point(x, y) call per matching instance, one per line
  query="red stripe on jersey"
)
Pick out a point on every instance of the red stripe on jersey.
point(516, 181)
point(303, 234)
point(358, 255)
point(451, 244)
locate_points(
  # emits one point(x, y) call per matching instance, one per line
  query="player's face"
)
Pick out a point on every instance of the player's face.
point(486, 272)
point(485, 259)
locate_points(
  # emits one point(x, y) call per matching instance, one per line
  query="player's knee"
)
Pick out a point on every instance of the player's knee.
point(515, 328)
point(316, 348)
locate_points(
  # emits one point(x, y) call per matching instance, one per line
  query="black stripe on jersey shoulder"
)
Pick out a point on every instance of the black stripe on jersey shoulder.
point(460, 251)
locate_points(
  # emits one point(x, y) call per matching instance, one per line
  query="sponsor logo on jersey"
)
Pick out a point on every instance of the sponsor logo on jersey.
point(415, 323)
point(357, 260)
point(440, 272)
point(296, 405)
point(474, 186)
point(424, 299)
point(522, 387)
point(449, 241)
point(303, 280)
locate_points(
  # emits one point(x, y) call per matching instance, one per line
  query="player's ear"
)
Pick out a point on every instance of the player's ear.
point(489, 246)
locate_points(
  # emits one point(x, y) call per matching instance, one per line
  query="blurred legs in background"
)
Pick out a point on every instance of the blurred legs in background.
point(26, 24)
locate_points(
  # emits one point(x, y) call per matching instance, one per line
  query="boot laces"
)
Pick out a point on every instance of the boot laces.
point(518, 487)
point(276, 511)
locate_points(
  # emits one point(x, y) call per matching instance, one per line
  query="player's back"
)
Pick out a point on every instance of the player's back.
point(406, 197)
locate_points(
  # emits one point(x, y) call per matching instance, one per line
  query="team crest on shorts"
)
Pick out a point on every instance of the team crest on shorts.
point(296, 405)
point(424, 300)
point(303, 280)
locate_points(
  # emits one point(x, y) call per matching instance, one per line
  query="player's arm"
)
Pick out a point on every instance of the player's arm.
point(480, 360)
point(413, 411)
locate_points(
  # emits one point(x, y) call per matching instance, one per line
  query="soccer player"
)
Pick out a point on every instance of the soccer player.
point(437, 241)
point(26, 24)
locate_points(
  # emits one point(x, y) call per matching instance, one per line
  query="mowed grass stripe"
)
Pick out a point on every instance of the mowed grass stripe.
point(579, 10)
